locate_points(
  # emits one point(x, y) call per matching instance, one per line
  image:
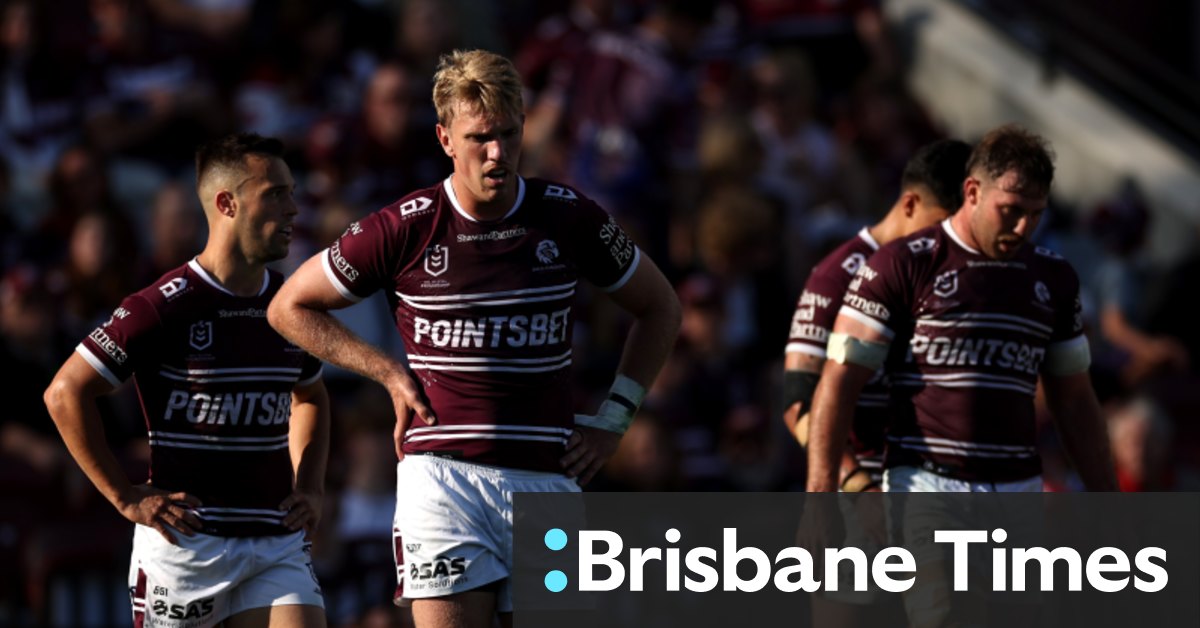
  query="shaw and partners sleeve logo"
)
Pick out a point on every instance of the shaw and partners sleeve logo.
point(604, 565)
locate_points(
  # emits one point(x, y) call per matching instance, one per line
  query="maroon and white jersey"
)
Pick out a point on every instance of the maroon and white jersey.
point(813, 322)
point(969, 337)
point(484, 309)
point(215, 382)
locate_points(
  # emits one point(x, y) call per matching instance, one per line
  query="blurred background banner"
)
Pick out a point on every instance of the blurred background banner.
point(720, 559)
point(737, 141)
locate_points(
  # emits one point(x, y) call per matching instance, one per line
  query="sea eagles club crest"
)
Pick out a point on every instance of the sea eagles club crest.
point(437, 260)
point(201, 335)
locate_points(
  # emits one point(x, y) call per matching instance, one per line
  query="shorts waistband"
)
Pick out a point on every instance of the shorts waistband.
point(508, 473)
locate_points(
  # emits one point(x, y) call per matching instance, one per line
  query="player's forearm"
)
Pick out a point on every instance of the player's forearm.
point(308, 442)
point(79, 423)
point(326, 338)
point(1084, 437)
point(650, 341)
point(829, 426)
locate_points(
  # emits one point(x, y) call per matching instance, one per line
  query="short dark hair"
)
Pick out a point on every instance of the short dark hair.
point(1014, 148)
point(229, 152)
point(940, 166)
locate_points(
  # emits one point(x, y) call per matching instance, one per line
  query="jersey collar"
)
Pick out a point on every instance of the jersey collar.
point(954, 236)
point(462, 212)
point(199, 270)
point(865, 236)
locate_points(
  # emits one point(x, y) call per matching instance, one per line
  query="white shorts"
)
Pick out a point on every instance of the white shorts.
point(205, 579)
point(453, 525)
point(916, 480)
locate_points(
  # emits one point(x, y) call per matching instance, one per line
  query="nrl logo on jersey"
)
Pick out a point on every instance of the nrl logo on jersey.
point(547, 251)
point(200, 336)
point(437, 260)
point(173, 288)
point(946, 283)
point(560, 192)
point(1041, 292)
point(415, 206)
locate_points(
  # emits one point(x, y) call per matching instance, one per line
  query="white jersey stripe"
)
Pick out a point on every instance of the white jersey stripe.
point(983, 325)
point(217, 380)
point(637, 259)
point(488, 360)
point(986, 316)
point(850, 312)
point(97, 364)
point(213, 438)
point(488, 368)
point(1029, 390)
point(805, 348)
point(249, 369)
point(488, 295)
point(968, 454)
point(516, 301)
point(231, 447)
point(312, 380)
point(542, 439)
point(930, 440)
point(946, 377)
point(333, 278)
point(480, 427)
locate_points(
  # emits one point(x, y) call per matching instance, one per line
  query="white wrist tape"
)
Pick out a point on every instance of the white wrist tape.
point(844, 348)
point(616, 413)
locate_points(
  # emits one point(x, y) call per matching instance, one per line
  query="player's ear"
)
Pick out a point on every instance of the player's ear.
point(909, 201)
point(226, 203)
point(443, 135)
point(971, 188)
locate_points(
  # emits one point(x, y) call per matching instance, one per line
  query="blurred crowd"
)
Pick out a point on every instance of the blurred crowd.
point(738, 141)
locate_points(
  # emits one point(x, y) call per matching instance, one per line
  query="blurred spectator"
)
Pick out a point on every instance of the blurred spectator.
point(633, 115)
point(149, 99)
point(1122, 294)
point(646, 460)
point(219, 21)
point(176, 231)
point(39, 96)
point(1141, 440)
point(97, 272)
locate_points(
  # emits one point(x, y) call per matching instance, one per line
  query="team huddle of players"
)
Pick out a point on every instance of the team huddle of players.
point(928, 333)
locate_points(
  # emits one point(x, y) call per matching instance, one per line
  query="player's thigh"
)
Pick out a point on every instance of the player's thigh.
point(469, 609)
point(287, 616)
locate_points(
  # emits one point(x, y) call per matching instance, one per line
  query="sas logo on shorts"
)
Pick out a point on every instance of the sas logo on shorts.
point(547, 251)
point(191, 610)
point(441, 567)
point(437, 260)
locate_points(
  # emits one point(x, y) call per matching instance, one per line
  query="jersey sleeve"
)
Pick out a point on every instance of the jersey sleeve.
point(127, 339)
point(310, 371)
point(816, 311)
point(364, 258)
point(880, 293)
point(605, 255)
point(1068, 350)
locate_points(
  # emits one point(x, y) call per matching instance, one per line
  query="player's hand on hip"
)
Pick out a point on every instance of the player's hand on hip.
point(166, 512)
point(406, 396)
point(303, 512)
point(587, 450)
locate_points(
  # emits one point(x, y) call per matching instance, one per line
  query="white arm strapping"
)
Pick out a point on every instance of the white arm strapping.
point(845, 348)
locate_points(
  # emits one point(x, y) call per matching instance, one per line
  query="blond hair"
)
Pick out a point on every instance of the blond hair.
point(483, 81)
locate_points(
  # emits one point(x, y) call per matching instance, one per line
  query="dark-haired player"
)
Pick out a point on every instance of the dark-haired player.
point(974, 318)
point(930, 189)
point(238, 417)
